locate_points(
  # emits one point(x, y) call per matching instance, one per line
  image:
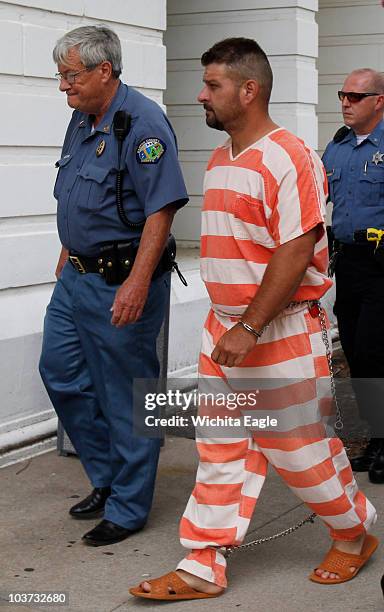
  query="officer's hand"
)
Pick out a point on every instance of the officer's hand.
point(233, 347)
point(129, 303)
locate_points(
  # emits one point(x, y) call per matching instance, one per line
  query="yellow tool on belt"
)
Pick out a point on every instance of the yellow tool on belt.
point(374, 235)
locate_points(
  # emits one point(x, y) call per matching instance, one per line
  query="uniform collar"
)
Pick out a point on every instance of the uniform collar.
point(377, 133)
point(350, 136)
point(374, 137)
point(105, 125)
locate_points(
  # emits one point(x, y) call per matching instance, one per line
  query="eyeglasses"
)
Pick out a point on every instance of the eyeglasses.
point(354, 96)
point(70, 77)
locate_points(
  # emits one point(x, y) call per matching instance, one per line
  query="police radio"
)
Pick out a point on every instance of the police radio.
point(121, 127)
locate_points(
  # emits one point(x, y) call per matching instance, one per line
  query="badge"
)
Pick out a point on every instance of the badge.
point(378, 158)
point(100, 148)
point(150, 151)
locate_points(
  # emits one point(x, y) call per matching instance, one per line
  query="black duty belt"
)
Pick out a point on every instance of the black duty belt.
point(115, 261)
point(364, 248)
point(365, 251)
point(371, 235)
point(366, 243)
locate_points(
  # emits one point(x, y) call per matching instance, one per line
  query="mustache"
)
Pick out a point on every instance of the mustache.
point(207, 107)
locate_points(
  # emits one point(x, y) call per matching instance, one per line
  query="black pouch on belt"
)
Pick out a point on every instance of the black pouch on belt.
point(117, 261)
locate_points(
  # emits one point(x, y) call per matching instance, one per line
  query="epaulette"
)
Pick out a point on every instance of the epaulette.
point(341, 133)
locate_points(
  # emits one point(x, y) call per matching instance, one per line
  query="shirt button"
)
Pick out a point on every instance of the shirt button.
point(352, 168)
point(349, 192)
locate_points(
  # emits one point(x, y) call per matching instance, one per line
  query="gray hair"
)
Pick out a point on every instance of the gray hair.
point(95, 44)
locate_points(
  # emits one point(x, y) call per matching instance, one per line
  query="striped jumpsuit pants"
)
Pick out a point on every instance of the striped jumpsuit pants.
point(232, 471)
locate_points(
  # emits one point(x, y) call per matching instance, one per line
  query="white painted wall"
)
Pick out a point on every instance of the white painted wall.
point(287, 31)
point(34, 118)
point(351, 35)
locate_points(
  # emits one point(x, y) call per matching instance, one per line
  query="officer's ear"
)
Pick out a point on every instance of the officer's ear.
point(106, 71)
point(380, 102)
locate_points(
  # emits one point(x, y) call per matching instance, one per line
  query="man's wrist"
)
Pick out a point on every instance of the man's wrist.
point(137, 282)
point(252, 330)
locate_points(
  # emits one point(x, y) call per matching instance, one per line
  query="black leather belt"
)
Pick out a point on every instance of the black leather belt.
point(114, 262)
point(83, 264)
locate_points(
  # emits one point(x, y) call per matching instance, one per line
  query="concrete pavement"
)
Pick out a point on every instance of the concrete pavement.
point(41, 548)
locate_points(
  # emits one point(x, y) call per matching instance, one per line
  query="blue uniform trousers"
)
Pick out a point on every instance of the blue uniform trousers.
point(88, 367)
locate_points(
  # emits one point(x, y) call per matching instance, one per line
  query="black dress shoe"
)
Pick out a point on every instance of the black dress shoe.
point(106, 533)
point(376, 471)
point(363, 462)
point(92, 506)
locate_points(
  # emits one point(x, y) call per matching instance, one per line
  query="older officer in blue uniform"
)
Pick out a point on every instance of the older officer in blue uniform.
point(354, 162)
point(109, 301)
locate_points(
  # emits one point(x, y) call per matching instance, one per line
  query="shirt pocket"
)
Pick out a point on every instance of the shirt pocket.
point(93, 185)
point(61, 174)
point(372, 186)
point(250, 222)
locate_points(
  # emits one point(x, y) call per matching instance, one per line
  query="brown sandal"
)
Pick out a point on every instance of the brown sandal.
point(339, 562)
point(161, 587)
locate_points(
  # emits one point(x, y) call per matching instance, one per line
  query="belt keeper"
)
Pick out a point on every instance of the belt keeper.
point(256, 332)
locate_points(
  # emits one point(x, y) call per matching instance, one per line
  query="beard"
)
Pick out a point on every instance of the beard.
point(212, 121)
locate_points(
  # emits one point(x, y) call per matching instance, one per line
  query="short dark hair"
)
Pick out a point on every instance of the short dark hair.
point(244, 57)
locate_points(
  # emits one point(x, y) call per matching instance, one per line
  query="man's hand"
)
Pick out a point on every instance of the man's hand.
point(131, 297)
point(233, 347)
point(129, 303)
point(61, 263)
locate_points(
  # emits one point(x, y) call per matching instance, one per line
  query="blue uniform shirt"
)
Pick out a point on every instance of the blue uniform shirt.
point(356, 183)
point(85, 187)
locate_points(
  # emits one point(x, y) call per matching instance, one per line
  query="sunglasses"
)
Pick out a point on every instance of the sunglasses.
point(354, 96)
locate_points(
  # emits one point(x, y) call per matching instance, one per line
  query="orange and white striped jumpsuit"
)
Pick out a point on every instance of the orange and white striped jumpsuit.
point(269, 194)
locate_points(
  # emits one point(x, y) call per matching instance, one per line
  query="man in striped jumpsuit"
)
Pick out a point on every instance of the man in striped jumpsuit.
point(264, 258)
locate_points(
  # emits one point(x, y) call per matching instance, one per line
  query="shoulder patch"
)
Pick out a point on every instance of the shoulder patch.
point(150, 151)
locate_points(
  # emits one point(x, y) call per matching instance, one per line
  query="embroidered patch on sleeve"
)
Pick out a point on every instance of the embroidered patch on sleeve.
point(150, 151)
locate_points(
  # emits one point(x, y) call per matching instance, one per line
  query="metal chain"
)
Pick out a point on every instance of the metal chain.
point(328, 351)
point(227, 551)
